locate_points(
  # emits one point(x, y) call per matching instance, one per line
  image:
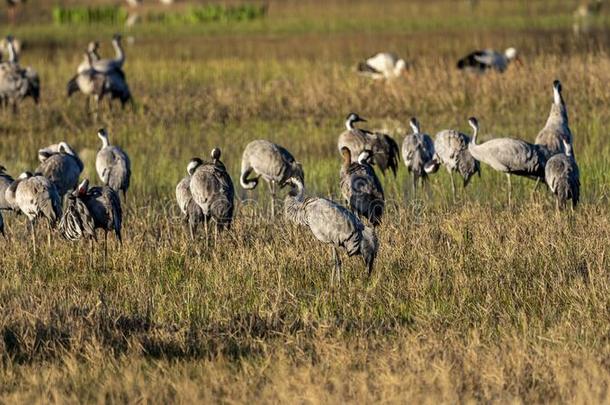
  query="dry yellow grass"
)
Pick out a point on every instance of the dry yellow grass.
point(469, 302)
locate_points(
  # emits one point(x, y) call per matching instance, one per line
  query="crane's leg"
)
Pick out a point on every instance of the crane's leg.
point(414, 185)
point(49, 229)
point(33, 236)
point(509, 190)
point(105, 249)
point(337, 265)
point(452, 185)
point(205, 227)
point(272, 188)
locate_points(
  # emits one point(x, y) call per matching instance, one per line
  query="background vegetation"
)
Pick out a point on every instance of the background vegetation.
point(469, 301)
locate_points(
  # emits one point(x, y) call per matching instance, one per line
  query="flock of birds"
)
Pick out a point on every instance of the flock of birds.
point(206, 195)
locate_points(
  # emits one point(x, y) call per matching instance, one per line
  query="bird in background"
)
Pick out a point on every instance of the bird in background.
point(16, 82)
point(486, 60)
point(383, 65)
point(417, 153)
point(331, 224)
point(385, 149)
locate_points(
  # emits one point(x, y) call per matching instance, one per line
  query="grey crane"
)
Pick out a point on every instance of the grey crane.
point(107, 65)
point(62, 168)
point(89, 209)
point(508, 155)
point(417, 153)
point(270, 161)
point(17, 83)
point(332, 224)
point(37, 198)
point(90, 56)
point(384, 148)
point(193, 216)
point(488, 59)
point(212, 190)
point(361, 188)
point(451, 150)
point(5, 181)
point(556, 127)
point(113, 165)
point(562, 176)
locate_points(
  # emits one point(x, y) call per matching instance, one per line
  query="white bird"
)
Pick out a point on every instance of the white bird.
point(487, 59)
point(556, 128)
point(332, 224)
point(385, 149)
point(383, 65)
point(113, 165)
point(562, 176)
point(508, 155)
point(274, 163)
point(417, 152)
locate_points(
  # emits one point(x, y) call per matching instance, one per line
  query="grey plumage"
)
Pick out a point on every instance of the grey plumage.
point(488, 59)
point(36, 197)
point(192, 213)
point(417, 152)
point(556, 127)
point(451, 150)
point(113, 165)
point(89, 209)
point(62, 168)
point(212, 190)
point(332, 224)
point(508, 155)
point(562, 176)
point(270, 161)
point(361, 188)
point(5, 181)
point(16, 82)
point(385, 149)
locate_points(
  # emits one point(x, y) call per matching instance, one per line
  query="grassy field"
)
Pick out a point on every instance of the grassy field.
point(469, 302)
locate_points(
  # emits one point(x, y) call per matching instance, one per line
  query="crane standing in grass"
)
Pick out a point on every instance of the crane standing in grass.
point(556, 130)
point(5, 181)
point(192, 213)
point(417, 153)
point(113, 165)
point(508, 155)
point(270, 161)
point(62, 168)
point(88, 209)
point(562, 176)
point(17, 83)
point(332, 224)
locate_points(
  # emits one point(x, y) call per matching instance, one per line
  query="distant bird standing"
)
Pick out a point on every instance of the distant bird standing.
point(17, 83)
point(36, 197)
point(508, 155)
point(417, 153)
point(332, 224)
point(383, 65)
point(562, 176)
point(212, 190)
point(488, 59)
point(192, 213)
point(113, 165)
point(62, 168)
point(451, 150)
point(361, 188)
point(5, 181)
point(88, 209)
point(556, 128)
point(270, 161)
point(385, 149)
point(90, 57)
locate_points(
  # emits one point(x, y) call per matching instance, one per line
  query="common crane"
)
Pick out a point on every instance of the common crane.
point(385, 149)
point(562, 176)
point(556, 127)
point(508, 155)
point(270, 161)
point(332, 224)
point(417, 152)
point(488, 59)
point(361, 188)
point(36, 197)
point(62, 168)
point(88, 209)
point(193, 216)
point(5, 181)
point(451, 150)
point(212, 190)
point(113, 165)
point(383, 65)
point(17, 83)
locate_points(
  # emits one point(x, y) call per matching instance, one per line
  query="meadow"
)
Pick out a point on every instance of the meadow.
point(470, 301)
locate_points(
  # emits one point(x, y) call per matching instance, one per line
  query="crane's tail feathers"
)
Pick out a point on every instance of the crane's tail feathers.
point(245, 182)
point(432, 166)
point(368, 248)
point(72, 86)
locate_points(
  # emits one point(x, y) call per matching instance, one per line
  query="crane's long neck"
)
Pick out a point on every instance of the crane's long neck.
point(105, 141)
point(349, 124)
point(475, 133)
point(13, 57)
point(118, 50)
point(569, 149)
point(559, 112)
